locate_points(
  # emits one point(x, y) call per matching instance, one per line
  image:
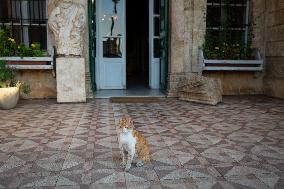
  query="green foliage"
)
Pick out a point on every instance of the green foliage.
point(213, 48)
point(7, 75)
point(25, 87)
point(9, 47)
point(7, 78)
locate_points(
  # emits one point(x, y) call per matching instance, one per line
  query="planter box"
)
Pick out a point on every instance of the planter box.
point(29, 62)
point(230, 65)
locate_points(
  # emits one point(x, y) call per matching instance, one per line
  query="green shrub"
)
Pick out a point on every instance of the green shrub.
point(8, 78)
point(9, 47)
point(7, 75)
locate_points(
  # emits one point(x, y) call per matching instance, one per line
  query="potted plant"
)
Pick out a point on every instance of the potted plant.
point(19, 54)
point(10, 87)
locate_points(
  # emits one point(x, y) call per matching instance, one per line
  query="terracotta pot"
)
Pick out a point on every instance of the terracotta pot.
point(9, 97)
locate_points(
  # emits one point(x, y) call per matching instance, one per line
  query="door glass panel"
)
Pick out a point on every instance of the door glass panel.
point(156, 6)
point(112, 47)
point(112, 18)
point(156, 26)
point(112, 28)
point(157, 48)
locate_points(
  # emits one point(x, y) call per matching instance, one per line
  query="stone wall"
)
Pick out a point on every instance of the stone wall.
point(42, 83)
point(274, 48)
point(268, 28)
point(187, 29)
point(239, 83)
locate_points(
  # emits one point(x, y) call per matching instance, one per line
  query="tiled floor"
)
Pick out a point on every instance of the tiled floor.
point(237, 144)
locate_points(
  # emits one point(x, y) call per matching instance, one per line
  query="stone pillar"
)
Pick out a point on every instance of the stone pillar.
point(67, 21)
point(274, 49)
point(70, 75)
point(176, 45)
point(187, 30)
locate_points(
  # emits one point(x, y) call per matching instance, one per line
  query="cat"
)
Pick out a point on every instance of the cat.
point(132, 143)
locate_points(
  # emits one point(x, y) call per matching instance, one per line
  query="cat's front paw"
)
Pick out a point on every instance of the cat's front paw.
point(139, 164)
point(127, 168)
point(122, 164)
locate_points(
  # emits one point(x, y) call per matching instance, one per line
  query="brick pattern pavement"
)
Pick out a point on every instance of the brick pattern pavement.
point(237, 144)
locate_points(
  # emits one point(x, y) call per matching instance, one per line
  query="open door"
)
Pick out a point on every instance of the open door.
point(164, 28)
point(111, 44)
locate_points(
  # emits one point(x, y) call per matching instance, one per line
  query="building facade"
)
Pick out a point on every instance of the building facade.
point(154, 43)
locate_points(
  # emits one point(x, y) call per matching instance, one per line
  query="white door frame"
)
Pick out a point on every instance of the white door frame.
point(110, 72)
point(154, 63)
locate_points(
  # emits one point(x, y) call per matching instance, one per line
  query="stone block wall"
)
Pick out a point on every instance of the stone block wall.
point(84, 3)
point(42, 83)
point(239, 83)
point(274, 48)
point(187, 29)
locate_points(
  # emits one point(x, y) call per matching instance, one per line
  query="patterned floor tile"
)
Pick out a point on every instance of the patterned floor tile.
point(236, 144)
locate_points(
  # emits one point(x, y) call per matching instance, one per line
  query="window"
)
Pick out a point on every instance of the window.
point(228, 19)
point(27, 20)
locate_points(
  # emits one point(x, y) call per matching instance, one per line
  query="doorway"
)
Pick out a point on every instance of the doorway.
point(137, 44)
point(128, 44)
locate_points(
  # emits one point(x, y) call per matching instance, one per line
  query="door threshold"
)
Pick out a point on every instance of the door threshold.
point(129, 93)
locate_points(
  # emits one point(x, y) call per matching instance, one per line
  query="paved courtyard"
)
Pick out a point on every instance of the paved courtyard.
point(237, 144)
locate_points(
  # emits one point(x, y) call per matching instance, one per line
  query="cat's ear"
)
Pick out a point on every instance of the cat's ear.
point(131, 123)
point(120, 122)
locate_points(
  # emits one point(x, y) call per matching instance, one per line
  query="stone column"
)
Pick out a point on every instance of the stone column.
point(67, 21)
point(176, 45)
point(188, 27)
point(187, 30)
point(274, 49)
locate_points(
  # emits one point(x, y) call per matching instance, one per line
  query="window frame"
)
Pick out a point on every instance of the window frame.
point(20, 15)
point(245, 23)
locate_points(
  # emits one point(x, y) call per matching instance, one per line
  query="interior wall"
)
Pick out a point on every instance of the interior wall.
point(137, 32)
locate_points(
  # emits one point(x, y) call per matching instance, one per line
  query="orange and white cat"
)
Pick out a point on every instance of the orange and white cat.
point(132, 143)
